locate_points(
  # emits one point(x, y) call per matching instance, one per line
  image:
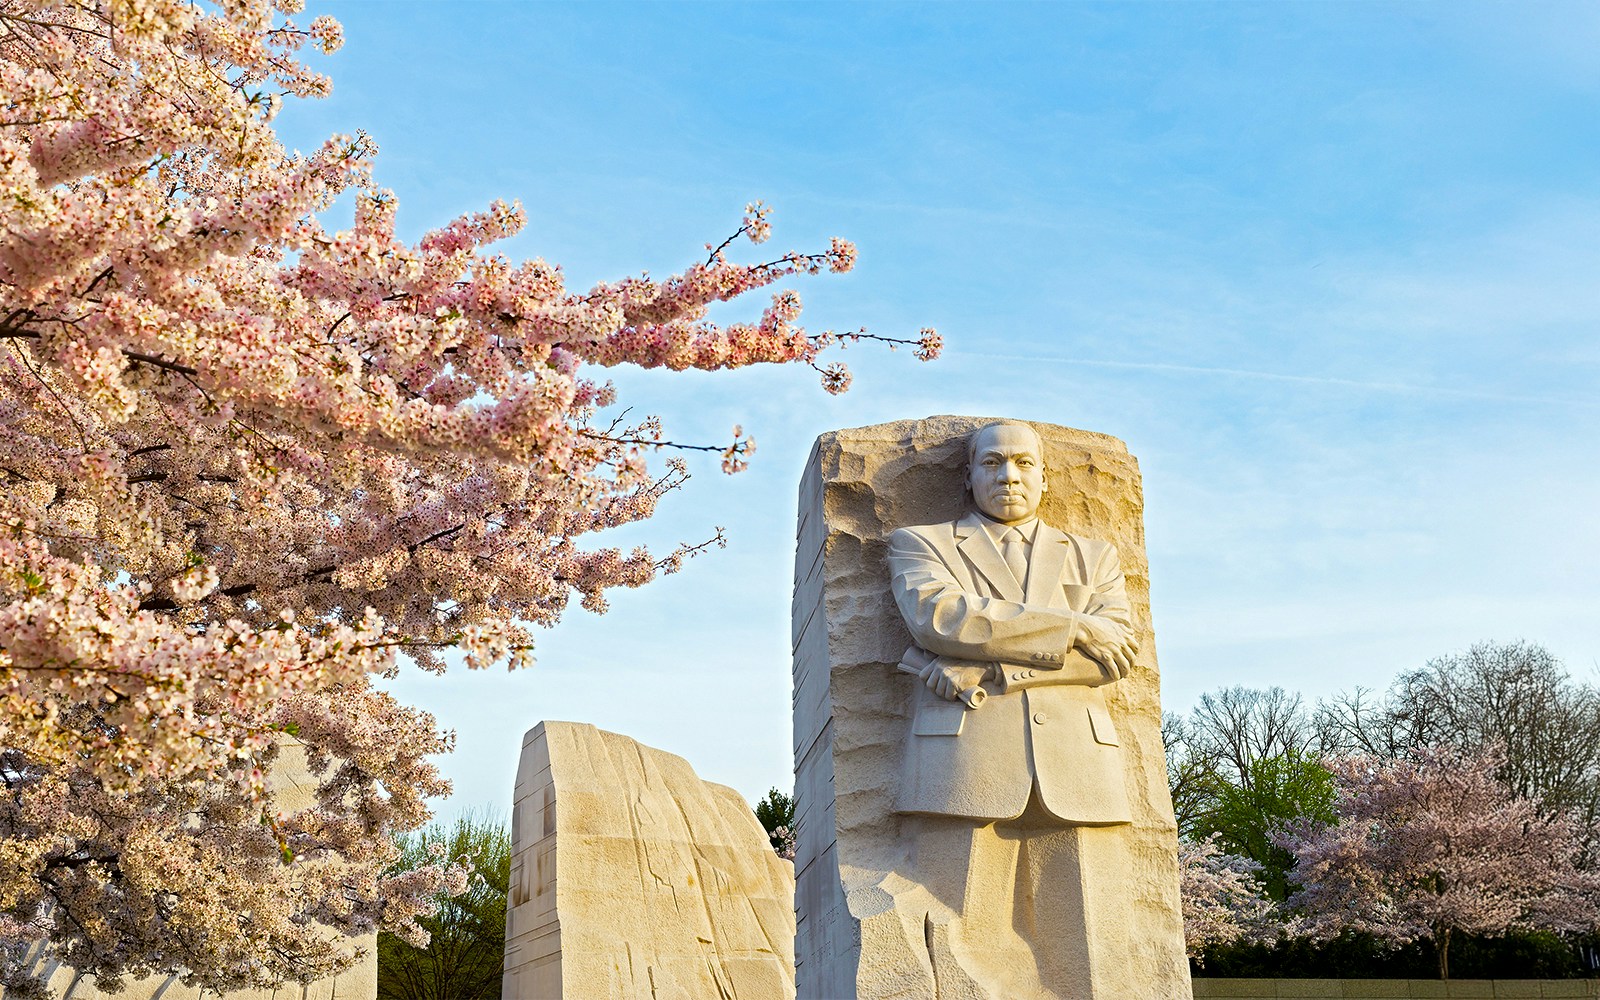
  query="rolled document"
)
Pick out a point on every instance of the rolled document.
point(972, 697)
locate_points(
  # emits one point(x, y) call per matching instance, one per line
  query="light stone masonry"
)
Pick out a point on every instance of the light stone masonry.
point(1395, 989)
point(633, 878)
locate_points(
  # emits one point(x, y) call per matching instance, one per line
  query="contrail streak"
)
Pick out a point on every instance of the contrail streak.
point(1347, 383)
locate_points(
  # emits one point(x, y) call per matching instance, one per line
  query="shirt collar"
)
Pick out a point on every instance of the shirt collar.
point(997, 531)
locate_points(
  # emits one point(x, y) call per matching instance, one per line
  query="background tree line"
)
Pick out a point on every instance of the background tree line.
point(1475, 761)
point(467, 933)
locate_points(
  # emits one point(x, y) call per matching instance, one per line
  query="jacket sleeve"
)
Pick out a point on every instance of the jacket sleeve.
point(947, 620)
point(1107, 597)
point(1111, 591)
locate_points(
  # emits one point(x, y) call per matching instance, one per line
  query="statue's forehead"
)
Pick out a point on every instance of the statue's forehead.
point(1006, 439)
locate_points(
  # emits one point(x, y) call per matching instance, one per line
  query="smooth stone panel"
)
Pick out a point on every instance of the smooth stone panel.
point(633, 878)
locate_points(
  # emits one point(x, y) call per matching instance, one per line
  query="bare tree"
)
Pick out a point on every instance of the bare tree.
point(1188, 770)
point(1361, 722)
point(1236, 726)
point(1516, 697)
point(1223, 738)
point(1244, 762)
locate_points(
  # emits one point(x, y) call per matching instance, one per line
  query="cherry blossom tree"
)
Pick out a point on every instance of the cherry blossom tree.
point(248, 461)
point(1223, 902)
point(1434, 845)
point(1516, 695)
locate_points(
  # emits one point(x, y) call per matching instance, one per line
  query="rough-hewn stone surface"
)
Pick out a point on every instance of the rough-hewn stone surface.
point(631, 877)
point(851, 708)
point(293, 788)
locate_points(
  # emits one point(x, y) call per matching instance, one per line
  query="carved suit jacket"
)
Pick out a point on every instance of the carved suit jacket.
point(1044, 724)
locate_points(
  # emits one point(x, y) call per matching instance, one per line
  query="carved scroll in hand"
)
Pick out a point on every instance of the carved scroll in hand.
point(954, 680)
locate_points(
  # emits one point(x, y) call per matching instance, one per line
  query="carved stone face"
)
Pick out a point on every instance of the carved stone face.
point(1005, 472)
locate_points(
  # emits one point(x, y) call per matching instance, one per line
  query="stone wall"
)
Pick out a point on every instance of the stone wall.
point(633, 878)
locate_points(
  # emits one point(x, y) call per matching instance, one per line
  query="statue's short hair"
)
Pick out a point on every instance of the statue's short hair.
point(972, 439)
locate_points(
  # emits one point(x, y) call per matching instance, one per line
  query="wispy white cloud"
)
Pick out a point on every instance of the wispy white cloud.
point(1442, 392)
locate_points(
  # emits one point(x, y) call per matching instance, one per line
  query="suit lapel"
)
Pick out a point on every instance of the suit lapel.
point(980, 552)
point(1050, 551)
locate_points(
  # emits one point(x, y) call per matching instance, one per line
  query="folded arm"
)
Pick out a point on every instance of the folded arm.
point(949, 621)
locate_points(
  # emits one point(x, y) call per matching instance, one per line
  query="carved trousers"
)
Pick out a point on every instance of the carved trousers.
point(1024, 908)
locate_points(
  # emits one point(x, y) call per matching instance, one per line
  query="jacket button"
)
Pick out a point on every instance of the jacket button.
point(1017, 676)
point(1030, 673)
point(1039, 717)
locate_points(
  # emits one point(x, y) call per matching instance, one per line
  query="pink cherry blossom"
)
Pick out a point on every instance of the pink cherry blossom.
point(248, 462)
point(1223, 903)
point(1427, 847)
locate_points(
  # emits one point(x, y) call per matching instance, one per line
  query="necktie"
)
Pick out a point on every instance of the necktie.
point(1011, 549)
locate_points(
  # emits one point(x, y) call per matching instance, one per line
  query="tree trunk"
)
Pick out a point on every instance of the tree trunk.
point(1441, 943)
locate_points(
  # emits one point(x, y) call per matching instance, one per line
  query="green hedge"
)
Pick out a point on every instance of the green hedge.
point(1528, 955)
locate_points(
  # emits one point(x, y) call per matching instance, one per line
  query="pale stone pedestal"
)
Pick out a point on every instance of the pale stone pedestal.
point(632, 878)
point(865, 917)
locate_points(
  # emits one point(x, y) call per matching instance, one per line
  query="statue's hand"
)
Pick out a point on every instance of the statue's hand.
point(948, 680)
point(1109, 641)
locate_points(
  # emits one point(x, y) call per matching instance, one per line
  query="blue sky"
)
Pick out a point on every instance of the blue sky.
point(1329, 270)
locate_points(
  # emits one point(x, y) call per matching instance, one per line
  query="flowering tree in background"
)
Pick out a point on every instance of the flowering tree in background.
point(1222, 898)
point(775, 812)
point(466, 931)
point(1514, 695)
point(246, 461)
point(1427, 847)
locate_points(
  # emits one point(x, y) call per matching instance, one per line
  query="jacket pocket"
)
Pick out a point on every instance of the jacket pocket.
point(938, 717)
point(1100, 722)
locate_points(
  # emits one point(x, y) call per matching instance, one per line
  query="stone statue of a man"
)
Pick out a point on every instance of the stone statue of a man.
point(1012, 759)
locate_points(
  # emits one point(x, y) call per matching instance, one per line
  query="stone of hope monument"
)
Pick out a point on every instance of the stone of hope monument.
point(982, 804)
point(981, 792)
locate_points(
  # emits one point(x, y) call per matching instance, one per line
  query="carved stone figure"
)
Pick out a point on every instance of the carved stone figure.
point(985, 814)
point(1037, 620)
point(1002, 603)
